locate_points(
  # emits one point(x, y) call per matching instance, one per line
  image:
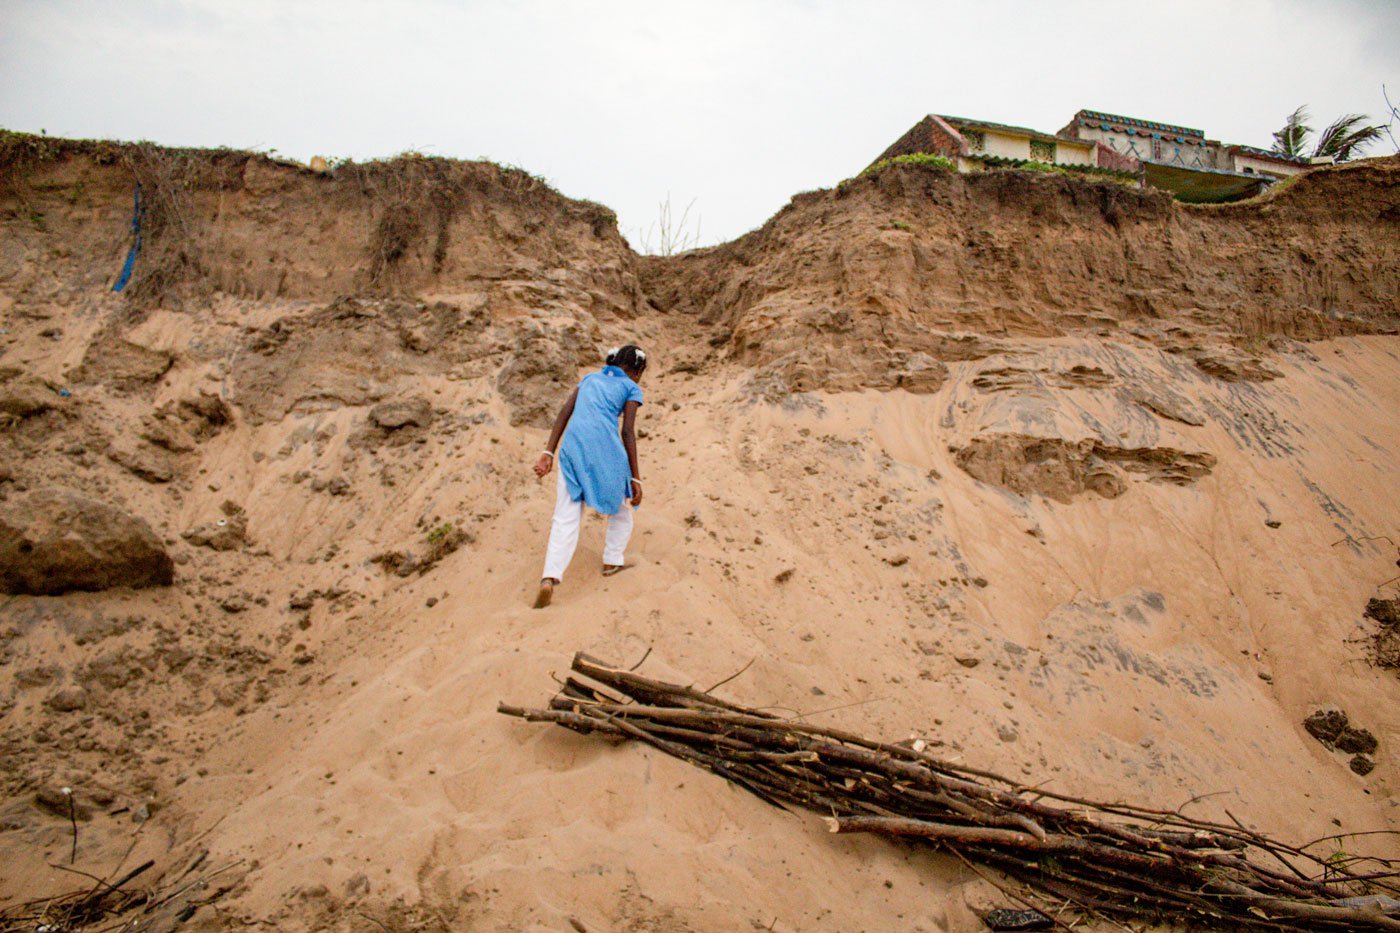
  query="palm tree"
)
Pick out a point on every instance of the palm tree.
point(1345, 137)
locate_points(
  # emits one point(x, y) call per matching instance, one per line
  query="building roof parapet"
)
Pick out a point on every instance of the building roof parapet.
point(1198, 168)
point(1269, 154)
point(961, 122)
point(1143, 127)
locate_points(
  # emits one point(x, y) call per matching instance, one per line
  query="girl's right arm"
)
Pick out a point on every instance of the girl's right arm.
point(542, 466)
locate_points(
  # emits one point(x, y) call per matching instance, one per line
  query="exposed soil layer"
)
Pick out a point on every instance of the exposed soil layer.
point(919, 261)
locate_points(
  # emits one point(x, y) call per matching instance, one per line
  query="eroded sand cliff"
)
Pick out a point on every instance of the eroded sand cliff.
point(1077, 482)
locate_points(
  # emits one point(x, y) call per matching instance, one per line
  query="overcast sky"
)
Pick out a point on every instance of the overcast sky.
point(735, 105)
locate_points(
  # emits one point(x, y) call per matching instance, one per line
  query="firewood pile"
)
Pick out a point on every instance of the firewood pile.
point(1072, 856)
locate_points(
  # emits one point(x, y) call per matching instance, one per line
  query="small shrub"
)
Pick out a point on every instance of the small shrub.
point(441, 541)
point(600, 217)
point(171, 260)
point(898, 225)
point(21, 151)
point(1128, 179)
point(437, 544)
point(926, 159)
point(397, 563)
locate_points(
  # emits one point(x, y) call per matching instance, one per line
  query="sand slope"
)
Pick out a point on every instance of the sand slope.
point(1126, 559)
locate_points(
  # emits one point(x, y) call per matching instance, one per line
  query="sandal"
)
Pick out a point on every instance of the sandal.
point(610, 569)
point(546, 593)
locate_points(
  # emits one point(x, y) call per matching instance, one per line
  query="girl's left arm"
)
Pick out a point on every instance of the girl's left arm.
point(629, 441)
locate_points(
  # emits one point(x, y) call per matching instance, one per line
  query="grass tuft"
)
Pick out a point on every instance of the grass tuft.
point(925, 159)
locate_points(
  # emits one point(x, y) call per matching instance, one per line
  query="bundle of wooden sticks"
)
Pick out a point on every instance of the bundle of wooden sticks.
point(1090, 857)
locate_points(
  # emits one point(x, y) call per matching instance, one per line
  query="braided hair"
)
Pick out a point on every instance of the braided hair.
point(631, 358)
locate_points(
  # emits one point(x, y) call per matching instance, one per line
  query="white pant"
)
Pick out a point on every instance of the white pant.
point(563, 533)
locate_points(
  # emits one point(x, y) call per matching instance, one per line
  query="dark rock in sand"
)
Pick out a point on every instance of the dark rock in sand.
point(143, 461)
point(1326, 725)
point(53, 541)
point(336, 486)
point(1233, 366)
point(400, 413)
point(167, 434)
point(224, 534)
point(67, 699)
point(204, 414)
point(1011, 919)
point(113, 670)
point(1165, 403)
point(51, 799)
point(1384, 611)
point(1362, 765)
point(25, 396)
point(1356, 740)
point(121, 364)
point(39, 676)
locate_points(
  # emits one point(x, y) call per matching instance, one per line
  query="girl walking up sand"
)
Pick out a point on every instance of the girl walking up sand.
point(597, 465)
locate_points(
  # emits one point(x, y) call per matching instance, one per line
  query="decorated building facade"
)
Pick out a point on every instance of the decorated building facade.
point(1176, 158)
point(1181, 159)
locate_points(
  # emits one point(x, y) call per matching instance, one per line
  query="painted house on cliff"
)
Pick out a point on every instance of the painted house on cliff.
point(1181, 159)
point(1176, 158)
point(976, 144)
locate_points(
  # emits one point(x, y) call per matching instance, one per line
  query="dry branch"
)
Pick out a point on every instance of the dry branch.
point(107, 907)
point(1114, 858)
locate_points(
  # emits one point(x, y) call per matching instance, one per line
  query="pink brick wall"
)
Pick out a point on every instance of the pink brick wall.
point(928, 135)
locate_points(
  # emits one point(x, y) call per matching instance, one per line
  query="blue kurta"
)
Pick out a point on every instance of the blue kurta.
point(592, 459)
